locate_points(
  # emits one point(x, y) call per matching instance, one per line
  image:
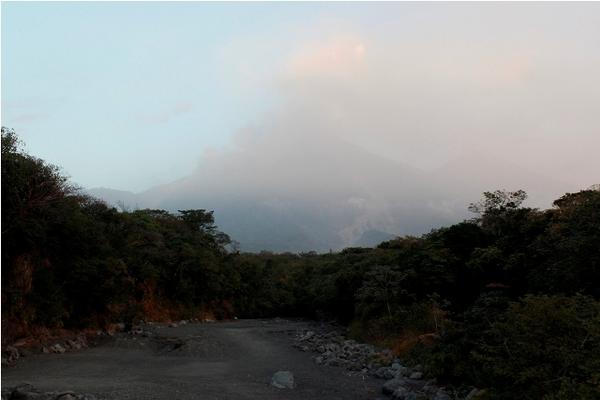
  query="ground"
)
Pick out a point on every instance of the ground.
point(219, 360)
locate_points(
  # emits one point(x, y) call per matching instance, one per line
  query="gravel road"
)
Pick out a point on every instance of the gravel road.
point(220, 360)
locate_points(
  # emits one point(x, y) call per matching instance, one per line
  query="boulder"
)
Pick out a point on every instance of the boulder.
point(401, 393)
point(390, 386)
point(66, 396)
point(25, 391)
point(416, 375)
point(57, 348)
point(10, 355)
point(283, 380)
point(75, 345)
point(441, 395)
point(473, 394)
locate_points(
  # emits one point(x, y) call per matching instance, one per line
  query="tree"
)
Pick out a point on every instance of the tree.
point(498, 201)
point(544, 347)
point(382, 288)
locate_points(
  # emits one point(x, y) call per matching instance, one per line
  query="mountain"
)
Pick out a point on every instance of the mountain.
point(299, 197)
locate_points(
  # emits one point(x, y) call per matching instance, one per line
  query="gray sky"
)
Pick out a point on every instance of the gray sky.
point(133, 95)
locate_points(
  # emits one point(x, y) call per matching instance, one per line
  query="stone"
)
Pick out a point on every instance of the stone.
point(383, 373)
point(86, 397)
point(416, 375)
point(25, 391)
point(390, 386)
point(75, 345)
point(283, 380)
point(137, 330)
point(441, 395)
point(333, 362)
point(307, 336)
point(400, 393)
point(472, 394)
point(66, 396)
point(58, 348)
point(11, 355)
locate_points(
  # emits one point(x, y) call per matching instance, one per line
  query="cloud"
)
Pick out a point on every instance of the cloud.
point(397, 130)
point(28, 117)
point(338, 56)
point(171, 113)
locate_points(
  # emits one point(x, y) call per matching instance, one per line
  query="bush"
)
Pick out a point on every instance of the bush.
point(544, 347)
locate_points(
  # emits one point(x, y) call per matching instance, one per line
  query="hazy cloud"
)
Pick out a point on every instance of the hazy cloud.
point(394, 128)
point(165, 116)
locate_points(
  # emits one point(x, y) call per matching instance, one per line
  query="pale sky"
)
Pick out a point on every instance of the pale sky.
point(132, 95)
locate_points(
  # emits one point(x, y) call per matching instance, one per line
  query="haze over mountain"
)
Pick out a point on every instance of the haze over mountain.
point(309, 126)
point(321, 198)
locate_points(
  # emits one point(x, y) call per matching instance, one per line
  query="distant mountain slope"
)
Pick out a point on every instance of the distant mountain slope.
point(316, 198)
point(115, 197)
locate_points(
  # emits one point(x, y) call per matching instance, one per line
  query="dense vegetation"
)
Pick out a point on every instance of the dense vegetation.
point(508, 301)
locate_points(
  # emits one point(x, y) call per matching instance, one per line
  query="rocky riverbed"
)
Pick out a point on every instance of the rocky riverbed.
point(218, 360)
point(401, 382)
point(245, 359)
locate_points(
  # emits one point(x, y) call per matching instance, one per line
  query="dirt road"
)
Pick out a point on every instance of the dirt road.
point(221, 360)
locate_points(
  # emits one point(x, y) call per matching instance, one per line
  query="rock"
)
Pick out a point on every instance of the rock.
point(306, 336)
point(384, 373)
point(82, 340)
point(390, 386)
point(333, 362)
point(173, 325)
point(473, 394)
point(86, 397)
point(57, 348)
point(45, 350)
point(354, 366)
point(430, 389)
point(399, 370)
point(10, 355)
point(283, 380)
point(441, 395)
point(416, 375)
point(75, 345)
point(401, 393)
point(25, 391)
point(136, 330)
point(66, 396)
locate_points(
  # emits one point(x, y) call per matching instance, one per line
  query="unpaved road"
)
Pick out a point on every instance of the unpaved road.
point(222, 360)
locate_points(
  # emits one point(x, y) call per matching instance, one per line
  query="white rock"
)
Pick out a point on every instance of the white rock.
point(283, 380)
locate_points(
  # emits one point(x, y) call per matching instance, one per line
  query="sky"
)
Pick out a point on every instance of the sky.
point(133, 95)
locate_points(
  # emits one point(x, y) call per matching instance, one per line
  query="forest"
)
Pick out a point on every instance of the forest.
point(508, 300)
